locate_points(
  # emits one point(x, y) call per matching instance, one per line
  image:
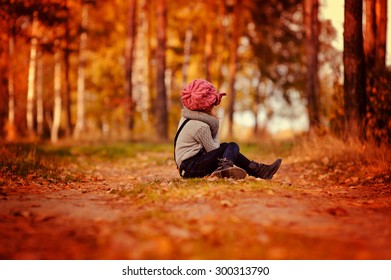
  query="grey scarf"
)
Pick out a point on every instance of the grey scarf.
point(213, 122)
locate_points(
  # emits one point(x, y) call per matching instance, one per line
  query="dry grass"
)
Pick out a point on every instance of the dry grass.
point(367, 157)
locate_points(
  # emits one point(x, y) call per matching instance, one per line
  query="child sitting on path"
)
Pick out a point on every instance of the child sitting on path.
point(197, 149)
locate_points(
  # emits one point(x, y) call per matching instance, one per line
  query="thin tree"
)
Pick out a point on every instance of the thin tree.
point(221, 43)
point(233, 63)
point(80, 117)
point(67, 83)
point(209, 39)
point(186, 55)
point(381, 33)
point(40, 86)
point(130, 44)
point(312, 26)
point(354, 69)
point(149, 11)
point(11, 129)
point(32, 72)
point(370, 34)
point(375, 34)
point(161, 98)
point(57, 95)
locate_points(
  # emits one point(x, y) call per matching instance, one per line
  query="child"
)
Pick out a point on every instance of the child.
point(197, 149)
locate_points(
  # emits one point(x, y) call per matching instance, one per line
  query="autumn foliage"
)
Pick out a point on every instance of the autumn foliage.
point(115, 69)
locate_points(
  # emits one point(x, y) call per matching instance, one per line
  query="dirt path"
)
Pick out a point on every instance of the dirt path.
point(128, 210)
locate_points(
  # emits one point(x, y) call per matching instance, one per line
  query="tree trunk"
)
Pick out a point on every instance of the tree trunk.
point(32, 76)
point(221, 44)
point(186, 55)
point(354, 69)
point(370, 34)
point(40, 113)
point(80, 117)
point(208, 54)
point(233, 65)
point(209, 41)
point(255, 106)
point(381, 33)
point(148, 10)
point(67, 83)
point(57, 97)
point(311, 23)
point(11, 129)
point(129, 57)
point(161, 99)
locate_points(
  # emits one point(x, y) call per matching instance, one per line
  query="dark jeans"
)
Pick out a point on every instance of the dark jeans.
point(204, 164)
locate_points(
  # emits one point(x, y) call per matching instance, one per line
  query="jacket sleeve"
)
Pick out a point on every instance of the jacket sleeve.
point(204, 136)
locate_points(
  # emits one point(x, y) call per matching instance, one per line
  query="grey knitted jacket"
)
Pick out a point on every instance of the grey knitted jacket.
point(201, 132)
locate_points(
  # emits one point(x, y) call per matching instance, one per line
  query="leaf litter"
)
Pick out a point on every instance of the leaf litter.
point(99, 205)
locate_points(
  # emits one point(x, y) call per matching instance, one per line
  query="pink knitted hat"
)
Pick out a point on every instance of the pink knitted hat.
point(200, 95)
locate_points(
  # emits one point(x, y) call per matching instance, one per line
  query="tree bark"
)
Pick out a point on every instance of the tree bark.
point(381, 33)
point(161, 99)
point(67, 83)
point(40, 113)
point(221, 44)
point(209, 40)
point(11, 129)
point(354, 70)
point(80, 117)
point(32, 76)
point(233, 65)
point(57, 97)
point(186, 55)
point(148, 10)
point(311, 23)
point(129, 57)
point(370, 33)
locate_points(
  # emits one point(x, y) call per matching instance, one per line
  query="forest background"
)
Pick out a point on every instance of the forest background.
point(114, 69)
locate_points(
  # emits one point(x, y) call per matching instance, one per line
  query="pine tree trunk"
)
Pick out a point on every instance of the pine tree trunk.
point(80, 117)
point(311, 23)
point(209, 42)
point(161, 98)
point(57, 97)
point(221, 44)
point(32, 76)
point(255, 106)
point(381, 33)
point(208, 54)
point(67, 84)
point(233, 65)
point(186, 55)
point(354, 69)
point(40, 113)
point(370, 34)
point(148, 10)
point(129, 55)
point(11, 129)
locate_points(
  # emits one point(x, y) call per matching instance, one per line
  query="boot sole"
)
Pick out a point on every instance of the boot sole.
point(232, 172)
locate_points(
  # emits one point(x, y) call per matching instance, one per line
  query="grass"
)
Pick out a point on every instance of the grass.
point(30, 161)
point(193, 190)
point(52, 162)
point(22, 159)
point(369, 157)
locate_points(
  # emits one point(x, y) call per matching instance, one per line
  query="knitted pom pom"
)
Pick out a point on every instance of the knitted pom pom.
point(200, 95)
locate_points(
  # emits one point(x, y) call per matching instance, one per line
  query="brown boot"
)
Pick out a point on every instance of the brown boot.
point(227, 169)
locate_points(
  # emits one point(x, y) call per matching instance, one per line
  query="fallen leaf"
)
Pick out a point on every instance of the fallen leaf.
point(227, 203)
point(337, 211)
